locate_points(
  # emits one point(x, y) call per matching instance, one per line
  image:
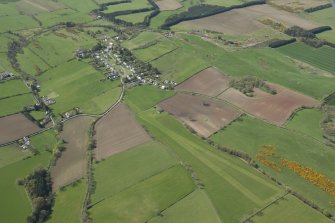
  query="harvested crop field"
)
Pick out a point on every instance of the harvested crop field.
point(209, 82)
point(118, 131)
point(166, 5)
point(273, 108)
point(297, 5)
point(14, 127)
point(245, 20)
point(205, 115)
point(71, 166)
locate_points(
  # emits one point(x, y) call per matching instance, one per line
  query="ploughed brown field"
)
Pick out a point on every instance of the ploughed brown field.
point(118, 131)
point(272, 108)
point(209, 82)
point(205, 115)
point(14, 127)
point(166, 5)
point(245, 20)
point(72, 164)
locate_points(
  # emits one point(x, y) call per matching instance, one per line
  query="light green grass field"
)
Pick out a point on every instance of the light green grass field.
point(11, 154)
point(12, 87)
point(307, 121)
point(146, 199)
point(4, 63)
point(31, 63)
point(17, 22)
point(134, 18)
point(124, 170)
point(290, 209)
point(17, 206)
point(135, 4)
point(250, 135)
point(328, 35)
point(15, 104)
point(234, 189)
point(142, 39)
point(195, 208)
point(320, 57)
point(153, 95)
point(37, 115)
point(325, 17)
point(77, 84)
point(84, 6)
point(69, 203)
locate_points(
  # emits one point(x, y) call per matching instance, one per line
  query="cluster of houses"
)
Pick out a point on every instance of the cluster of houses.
point(4, 76)
point(24, 143)
point(48, 101)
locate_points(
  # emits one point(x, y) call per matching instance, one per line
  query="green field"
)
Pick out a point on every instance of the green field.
point(15, 104)
point(307, 122)
point(31, 63)
point(77, 84)
point(325, 17)
point(290, 209)
point(320, 57)
point(17, 206)
point(134, 18)
point(328, 35)
point(234, 189)
point(291, 145)
point(69, 203)
point(126, 169)
point(143, 201)
point(135, 4)
point(195, 208)
point(11, 154)
point(12, 87)
point(141, 40)
point(152, 95)
point(4, 63)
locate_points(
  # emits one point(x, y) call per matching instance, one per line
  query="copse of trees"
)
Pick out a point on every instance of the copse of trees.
point(246, 85)
point(279, 43)
point(317, 8)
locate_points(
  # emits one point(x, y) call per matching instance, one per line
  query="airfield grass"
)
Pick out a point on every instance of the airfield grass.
point(152, 95)
point(17, 206)
point(307, 121)
point(322, 57)
point(232, 186)
point(15, 104)
point(290, 209)
point(141, 40)
point(77, 84)
point(134, 17)
point(31, 63)
point(11, 154)
point(195, 54)
point(153, 52)
point(146, 199)
point(249, 135)
point(195, 208)
point(125, 169)
point(12, 87)
point(135, 4)
point(69, 203)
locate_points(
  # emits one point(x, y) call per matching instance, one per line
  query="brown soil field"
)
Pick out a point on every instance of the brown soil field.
point(205, 115)
point(72, 164)
point(118, 131)
point(166, 5)
point(14, 127)
point(209, 82)
point(297, 5)
point(245, 20)
point(272, 108)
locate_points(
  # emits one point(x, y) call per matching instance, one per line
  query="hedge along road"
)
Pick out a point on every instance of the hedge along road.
point(79, 115)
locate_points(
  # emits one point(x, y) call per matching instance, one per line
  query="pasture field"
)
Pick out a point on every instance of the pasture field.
point(234, 189)
point(272, 108)
point(290, 145)
point(297, 6)
point(195, 208)
point(11, 154)
point(142, 201)
point(209, 82)
point(204, 115)
point(142, 39)
point(15, 104)
point(118, 131)
point(163, 46)
point(16, 22)
point(167, 5)
point(17, 206)
point(324, 17)
point(195, 54)
point(37, 115)
point(58, 47)
point(134, 18)
point(245, 20)
point(69, 203)
point(31, 63)
point(153, 95)
point(331, 100)
point(4, 40)
point(320, 57)
point(30, 7)
point(328, 35)
point(83, 6)
point(12, 87)
point(4, 63)
point(77, 84)
point(72, 164)
point(307, 121)
point(290, 209)
point(128, 168)
point(135, 4)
